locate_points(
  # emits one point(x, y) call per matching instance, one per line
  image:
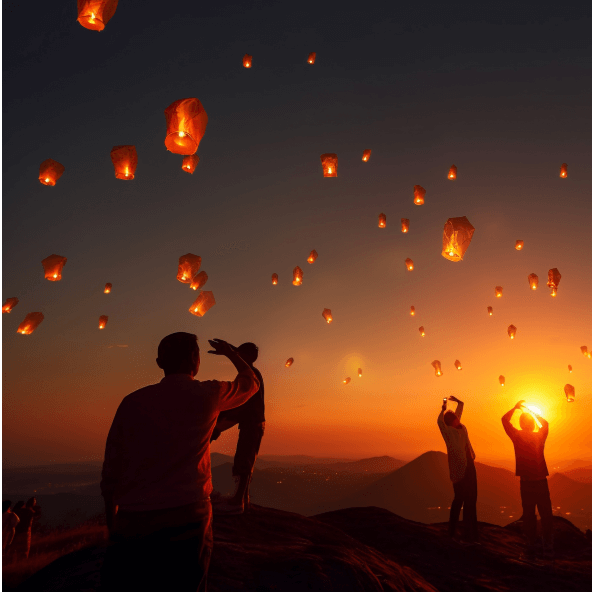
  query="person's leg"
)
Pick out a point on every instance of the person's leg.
point(247, 448)
point(470, 505)
point(529, 520)
point(546, 513)
point(455, 507)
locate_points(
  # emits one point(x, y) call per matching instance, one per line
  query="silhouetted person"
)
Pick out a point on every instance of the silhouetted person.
point(9, 522)
point(462, 471)
point(22, 536)
point(157, 475)
point(250, 418)
point(529, 447)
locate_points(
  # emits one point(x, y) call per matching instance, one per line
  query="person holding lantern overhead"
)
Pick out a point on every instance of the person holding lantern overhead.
point(529, 447)
point(250, 418)
point(462, 471)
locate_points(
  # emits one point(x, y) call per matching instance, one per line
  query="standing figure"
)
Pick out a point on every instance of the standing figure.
point(22, 535)
point(462, 471)
point(9, 522)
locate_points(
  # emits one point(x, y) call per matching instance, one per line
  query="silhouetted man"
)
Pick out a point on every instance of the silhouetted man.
point(157, 475)
point(529, 447)
point(22, 534)
point(462, 471)
point(9, 522)
point(250, 418)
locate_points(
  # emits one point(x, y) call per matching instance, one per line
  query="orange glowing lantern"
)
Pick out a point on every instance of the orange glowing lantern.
point(186, 121)
point(366, 155)
point(359, 372)
point(563, 172)
point(329, 164)
point(418, 195)
point(519, 245)
point(327, 315)
point(437, 367)
point(289, 362)
point(247, 61)
point(512, 331)
point(584, 350)
point(199, 281)
point(103, 321)
point(95, 14)
point(553, 281)
point(382, 220)
point(458, 365)
point(189, 163)
point(297, 276)
point(412, 312)
point(456, 238)
point(422, 332)
point(409, 264)
point(533, 281)
point(404, 225)
point(125, 161)
point(274, 279)
point(108, 287)
point(9, 304)
point(312, 56)
point(570, 392)
point(53, 266)
point(30, 323)
point(569, 368)
point(490, 311)
point(189, 265)
point(502, 380)
point(50, 171)
point(346, 380)
point(498, 291)
point(452, 172)
point(202, 303)
point(312, 257)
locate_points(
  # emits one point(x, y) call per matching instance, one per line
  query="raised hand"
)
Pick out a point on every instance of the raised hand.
point(451, 398)
point(221, 347)
point(520, 404)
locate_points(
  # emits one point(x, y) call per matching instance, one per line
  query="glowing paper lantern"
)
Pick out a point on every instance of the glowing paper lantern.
point(30, 323)
point(418, 195)
point(437, 367)
point(189, 163)
point(108, 287)
point(502, 380)
point(422, 332)
point(452, 172)
point(512, 331)
point(553, 281)
point(329, 164)
point(458, 365)
point(490, 311)
point(533, 281)
point(189, 265)
point(186, 121)
point(289, 362)
point(381, 220)
point(53, 266)
point(359, 372)
point(199, 281)
point(569, 368)
point(498, 291)
point(409, 264)
point(366, 155)
point(50, 171)
point(412, 312)
point(519, 245)
point(346, 380)
point(202, 303)
point(247, 61)
point(312, 257)
point(563, 171)
point(327, 315)
point(456, 238)
point(95, 14)
point(9, 304)
point(125, 161)
point(312, 56)
point(103, 321)
point(584, 350)
point(570, 392)
point(404, 225)
point(297, 276)
point(274, 279)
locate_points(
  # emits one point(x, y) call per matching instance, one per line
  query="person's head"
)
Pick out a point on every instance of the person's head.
point(31, 502)
point(451, 419)
point(527, 422)
point(248, 352)
point(6, 505)
point(179, 353)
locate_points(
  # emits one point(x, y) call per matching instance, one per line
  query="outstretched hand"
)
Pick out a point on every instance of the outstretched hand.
point(520, 404)
point(221, 347)
point(451, 398)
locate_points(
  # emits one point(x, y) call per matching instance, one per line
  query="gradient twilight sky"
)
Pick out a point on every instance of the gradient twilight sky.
point(503, 91)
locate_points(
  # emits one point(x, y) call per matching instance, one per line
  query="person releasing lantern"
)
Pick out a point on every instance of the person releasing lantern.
point(329, 164)
point(312, 56)
point(297, 276)
point(409, 264)
point(30, 323)
point(53, 266)
point(103, 321)
point(247, 61)
point(452, 173)
point(366, 155)
point(498, 291)
point(569, 368)
point(458, 365)
point(553, 281)
point(563, 171)
point(289, 362)
point(418, 195)
point(519, 245)
point(490, 311)
point(437, 368)
point(412, 311)
point(198, 281)
point(327, 315)
point(382, 220)
point(404, 225)
point(312, 257)
point(190, 163)
point(533, 281)
point(186, 121)
point(502, 380)
point(570, 392)
point(422, 332)
point(512, 331)
point(95, 14)
point(125, 161)
point(108, 288)
point(346, 380)
point(189, 265)
point(359, 372)
point(50, 171)
point(274, 279)
point(9, 304)
point(456, 238)
point(202, 303)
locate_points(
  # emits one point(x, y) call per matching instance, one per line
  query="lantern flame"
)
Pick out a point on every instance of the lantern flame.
point(366, 155)
point(533, 281)
point(512, 331)
point(346, 380)
point(437, 367)
point(103, 321)
point(519, 245)
point(498, 291)
point(312, 257)
point(502, 380)
point(382, 220)
point(329, 163)
point(458, 365)
point(274, 279)
point(563, 171)
point(289, 362)
point(359, 372)
point(418, 195)
point(412, 311)
point(409, 264)
point(297, 276)
point(108, 287)
point(421, 331)
point(490, 311)
point(327, 315)
point(452, 172)
point(404, 225)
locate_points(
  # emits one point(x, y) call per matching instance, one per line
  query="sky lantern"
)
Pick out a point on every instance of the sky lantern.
point(512, 331)
point(312, 56)
point(498, 291)
point(553, 281)
point(189, 265)
point(359, 372)
point(50, 171)
point(30, 323)
point(190, 163)
point(9, 304)
point(297, 276)
point(409, 264)
point(346, 380)
point(382, 220)
point(329, 164)
point(584, 350)
point(570, 392)
point(519, 245)
point(366, 155)
point(422, 332)
point(569, 368)
point(95, 14)
point(490, 311)
point(502, 380)
point(125, 161)
point(437, 367)
point(198, 281)
point(533, 281)
point(186, 121)
point(452, 173)
point(412, 312)
point(418, 195)
point(53, 266)
point(289, 362)
point(327, 315)
point(404, 225)
point(563, 172)
point(103, 321)
point(456, 238)
point(202, 303)
point(108, 287)
point(274, 279)
point(247, 61)
point(312, 257)
point(458, 365)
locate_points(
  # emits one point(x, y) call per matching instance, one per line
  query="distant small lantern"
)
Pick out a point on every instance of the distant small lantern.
point(274, 279)
point(409, 264)
point(247, 61)
point(30, 323)
point(366, 155)
point(570, 392)
point(125, 161)
point(50, 171)
point(437, 368)
point(404, 225)
point(418, 195)
point(512, 331)
point(458, 365)
point(108, 288)
point(422, 331)
point(103, 321)
point(502, 380)
point(563, 171)
point(190, 163)
point(327, 315)
point(289, 362)
point(297, 276)
point(498, 291)
point(519, 245)
point(381, 220)
point(346, 380)
point(533, 281)
point(53, 266)
point(312, 257)
point(329, 164)
point(452, 172)
point(202, 303)
point(412, 312)
point(186, 121)
point(553, 281)
point(199, 281)
point(569, 368)
point(359, 372)
point(584, 350)
point(490, 311)
point(9, 304)
point(312, 56)
point(95, 14)
point(456, 238)
point(189, 265)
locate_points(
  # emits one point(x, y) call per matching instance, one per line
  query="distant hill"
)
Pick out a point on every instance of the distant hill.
point(580, 474)
point(264, 461)
point(219, 458)
point(371, 465)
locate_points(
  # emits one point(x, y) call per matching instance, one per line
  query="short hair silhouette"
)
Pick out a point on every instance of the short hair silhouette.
point(6, 505)
point(449, 417)
point(178, 352)
point(527, 422)
point(248, 352)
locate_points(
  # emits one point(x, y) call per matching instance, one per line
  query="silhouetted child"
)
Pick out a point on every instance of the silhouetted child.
point(9, 522)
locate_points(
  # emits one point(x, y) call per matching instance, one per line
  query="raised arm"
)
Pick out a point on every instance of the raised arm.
point(544, 424)
point(459, 406)
point(510, 430)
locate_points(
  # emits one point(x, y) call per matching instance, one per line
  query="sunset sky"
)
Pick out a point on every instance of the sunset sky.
point(502, 91)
